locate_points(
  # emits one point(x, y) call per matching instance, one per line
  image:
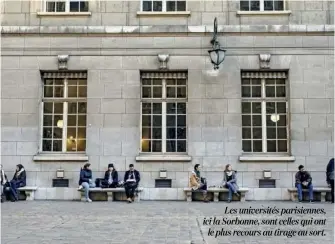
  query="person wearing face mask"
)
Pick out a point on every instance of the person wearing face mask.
point(131, 180)
point(229, 181)
point(111, 177)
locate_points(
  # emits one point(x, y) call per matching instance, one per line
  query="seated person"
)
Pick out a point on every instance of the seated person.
point(303, 179)
point(19, 180)
point(197, 183)
point(85, 180)
point(111, 178)
point(229, 181)
point(131, 180)
point(4, 181)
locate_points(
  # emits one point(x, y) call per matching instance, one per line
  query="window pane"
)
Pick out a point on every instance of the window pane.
point(47, 133)
point(270, 107)
point(282, 120)
point(256, 108)
point(74, 6)
point(282, 133)
point(246, 120)
point(157, 108)
point(81, 133)
point(257, 133)
point(171, 91)
point(171, 120)
point(171, 108)
point(271, 133)
point(146, 108)
point(72, 91)
point(246, 81)
point(58, 108)
point(246, 133)
point(47, 145)
point(59, 91)
point(157, 92)
point(82, 91)
point(171, 6)
point(146, 92)
point(270, 91)
point(246, 146)
point(71, 145)
point(147, 6)
point(181, 146)
point(269, 122)
point(84, 6)
point(146, 120)
point(157, 82)
point(281, 107)
point(257, 120)
point(146, 133)
point(157, 133)
point(82, 108)
point(81, 145)
point(60, 7)
point(181, 5)
point(181, 133)
point(47, 108)
point(157, 120)
point(57, 146)
point(171, 82)
point(181, 92)
point(71, 120)
point(156, 146)
point(281, 91)
point(181, 108)
point(181, 82)
point(157, 6)
point(256, 81)
point(57, 118)
point(181, 120)
point(271, 146)
point(279, 5)
point(282, 146)
point(48, 91)
point(72, 108)
point(171, 133)
point(47, 120)
point(244, 5)
point(268, 5)
point(171, 146)
point(257, 146)
point(146, 146)
point(270, 82)
point(246, 91)
point(82, 120)
point(71, 133)
point(254, 6)
point(50, 7)
point(246, 107)
point(256, 91)
point(58, 133)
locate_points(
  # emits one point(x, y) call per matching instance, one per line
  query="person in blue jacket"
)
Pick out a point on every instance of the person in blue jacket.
point(330, 177)
point(85, 180)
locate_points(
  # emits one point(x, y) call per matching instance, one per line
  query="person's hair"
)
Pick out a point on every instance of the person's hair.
point(300, 167)
point(111, 165)
point(86, 165)
point(131, 165)
point(20, 166)
point(226, 168)
point(196, 166)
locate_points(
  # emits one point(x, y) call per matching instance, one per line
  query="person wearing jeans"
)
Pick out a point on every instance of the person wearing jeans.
point(303, 180)
point(229, 181)
point(85, 180)
point(131, 180)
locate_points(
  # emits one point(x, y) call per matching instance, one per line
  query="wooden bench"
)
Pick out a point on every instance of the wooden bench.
point(323, 190)
point(216, 192)
point(111, 192)
point(29, 191)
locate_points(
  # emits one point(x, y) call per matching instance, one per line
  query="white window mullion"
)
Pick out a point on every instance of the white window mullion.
point(263, 107)
point(164, 5)
point(261, 5)
point(163, 127)
point(65, 111)
point(41, 126)
point(67, 5)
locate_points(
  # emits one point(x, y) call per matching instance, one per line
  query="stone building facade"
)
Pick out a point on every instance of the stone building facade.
point(81, 82)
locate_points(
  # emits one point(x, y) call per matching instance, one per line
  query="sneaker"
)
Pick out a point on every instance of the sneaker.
point(88, 200)
point(80, 187)
point(311, 201)
point(129, 200)
point(133, 199)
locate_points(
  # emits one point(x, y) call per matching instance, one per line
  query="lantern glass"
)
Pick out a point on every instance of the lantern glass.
point(217, 56)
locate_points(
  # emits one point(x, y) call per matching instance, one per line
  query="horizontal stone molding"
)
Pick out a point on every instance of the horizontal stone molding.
point(285, 12)
point(62, 14)
point(163, 158)
point(68, 157)
point(116, 30)
point(267, 159)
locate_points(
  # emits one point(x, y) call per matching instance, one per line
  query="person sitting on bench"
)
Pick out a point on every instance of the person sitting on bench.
point(131, 180)
point(85, 180)
point(111, 178)
point(229, 181)
point(303, 179)
point(4, 181)
point(19, 180)
point(197, 183)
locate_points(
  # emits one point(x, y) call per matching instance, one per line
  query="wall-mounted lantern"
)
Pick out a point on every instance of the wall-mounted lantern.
point(217, 54)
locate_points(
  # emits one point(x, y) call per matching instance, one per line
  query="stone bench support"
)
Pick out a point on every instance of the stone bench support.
point(323, 190)
point(111, 192)
point(29, 191)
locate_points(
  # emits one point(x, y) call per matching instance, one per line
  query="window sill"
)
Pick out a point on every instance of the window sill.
point(284, 12)
point(70, 14)
point(47, 157)
point(164, 14)
point(268, 159)
point(163, 158)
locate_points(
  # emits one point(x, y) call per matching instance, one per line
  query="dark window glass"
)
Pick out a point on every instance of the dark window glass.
point(47, 145)
point(157, 6)
point(156, 146)
point(257, 133)
point(171, 6)
point(246, 91)
point(271, 146)
point(181, 133)
point(146, 108)
point(157, 108)
point(278, 5)
point(257, 146)
point(181, 108)
point(57, 146)
point(268, 5)
point(244, 5)
point(254, 6)
point(171, 133)
point(147, 6)
point(157, 133)
point(246, 107)
point(50, 6)
point(171, 146)
point(246, 133)
point(74, 6)
point(60, 6)
point(282, 146)
point(181, 146)
point(256, 108)
point(181, 5)
point(246, 146)
point(84, 6)
point(246, 120)
point(256, 91)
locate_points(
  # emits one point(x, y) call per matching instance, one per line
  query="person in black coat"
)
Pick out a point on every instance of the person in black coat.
point(4, 181)
point(330, 177)
point(111, 178)
point(85, 180)
point(131, 180)
point(303, 179)
point(19, 180)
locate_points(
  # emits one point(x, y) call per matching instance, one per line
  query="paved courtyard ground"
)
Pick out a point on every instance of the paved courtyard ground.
point(149, 222)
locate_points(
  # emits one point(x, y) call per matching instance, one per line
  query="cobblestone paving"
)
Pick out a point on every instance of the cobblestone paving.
point(146, 222)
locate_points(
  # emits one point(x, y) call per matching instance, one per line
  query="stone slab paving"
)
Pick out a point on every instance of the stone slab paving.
point(146, 222)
